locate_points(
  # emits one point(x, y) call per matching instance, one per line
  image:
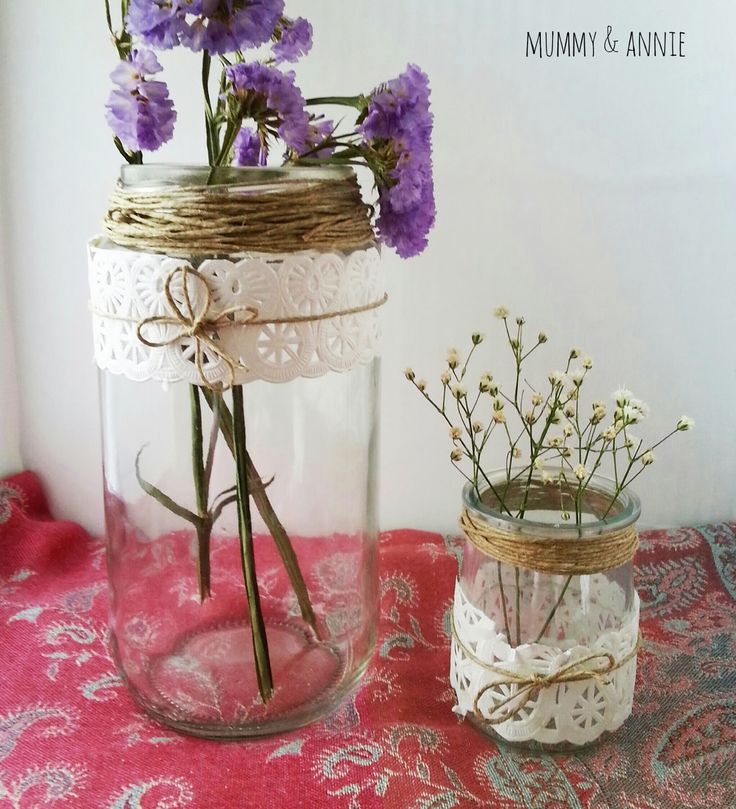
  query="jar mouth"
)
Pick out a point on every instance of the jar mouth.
point(167, 175)
point(625, 511)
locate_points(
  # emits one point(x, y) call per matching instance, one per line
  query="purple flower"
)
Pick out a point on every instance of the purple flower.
point(294, 42)
point(397, 129)
point(319, 130)
point(219, 26)
point(247, 149)
point(159, 23)
point(271, 98)
point(140, 111)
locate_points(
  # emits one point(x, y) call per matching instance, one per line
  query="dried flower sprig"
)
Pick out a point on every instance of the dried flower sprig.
point(563, 442)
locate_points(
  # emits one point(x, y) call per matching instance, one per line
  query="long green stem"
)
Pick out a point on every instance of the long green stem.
point(203, 525)
point(247, 555)
point(266, 510)
point(553, 610)
point(344, 101)
point(503, 603)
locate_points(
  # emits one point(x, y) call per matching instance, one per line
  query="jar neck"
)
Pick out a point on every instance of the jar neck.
point(531, 505)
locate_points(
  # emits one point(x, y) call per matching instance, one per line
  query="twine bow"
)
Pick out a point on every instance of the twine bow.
point(195, 324)
point(596, 666)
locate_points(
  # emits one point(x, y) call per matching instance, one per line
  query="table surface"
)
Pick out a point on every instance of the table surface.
point(70, 736)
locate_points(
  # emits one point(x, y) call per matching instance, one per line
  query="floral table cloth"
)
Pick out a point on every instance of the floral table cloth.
point(70, 736)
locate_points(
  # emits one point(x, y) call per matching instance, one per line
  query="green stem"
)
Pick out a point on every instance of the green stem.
point(553, 610)
point(503, 603)
point(206, 62)
point(518, 607)
point(247, 556)
point(266, 510)
point(358, 102)
point(203, 525)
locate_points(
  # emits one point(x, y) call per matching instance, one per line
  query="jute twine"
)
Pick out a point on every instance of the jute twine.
point(596, 666)
point(193, 322)
point(550, 555)
point(319, 214)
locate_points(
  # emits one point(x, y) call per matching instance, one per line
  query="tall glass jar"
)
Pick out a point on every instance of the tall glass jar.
point(269, 425)
point(540, 659)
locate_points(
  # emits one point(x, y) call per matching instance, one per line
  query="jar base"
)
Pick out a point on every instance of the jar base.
point(207, 686)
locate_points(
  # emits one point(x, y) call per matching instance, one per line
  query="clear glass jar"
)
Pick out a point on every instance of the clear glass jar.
point(181, 620)
point(518, 626)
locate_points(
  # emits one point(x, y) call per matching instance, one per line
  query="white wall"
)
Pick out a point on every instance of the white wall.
point(595, 196)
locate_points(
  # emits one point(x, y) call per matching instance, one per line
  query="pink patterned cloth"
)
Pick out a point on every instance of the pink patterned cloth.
point(70, 736)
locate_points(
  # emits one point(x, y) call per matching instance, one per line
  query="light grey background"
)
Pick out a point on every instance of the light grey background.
point(595, 196)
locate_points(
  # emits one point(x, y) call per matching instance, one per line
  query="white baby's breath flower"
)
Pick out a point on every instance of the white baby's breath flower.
point(581, 472)
point(609, 433)
point(598, 403)
point(537, 399)
point(575, 353)
point(631, 441)
point(422, 384)
point(569, 411)
point(458, 391)
point(409, 374)
point(546, 478)
point(456, 455)
point(556, 378)
point(567, 431)
point(587, 363)
point(685, 423)
point(529, 417)
point(478, 427)
point(498, 404)
point(477, 338)
point(647, 458)
point(555, 441)
point(485, 383)
point(576, 376)
point(642, 407)
point(630, 414)
point(493, 390)
point(622, 396)
point(455, 433)
point(542, 337)
point(501, 312)
point(538, 463)
point(516, 452)
point(445, 377)
point(599, 413)
point(453, 357)
point(499, 417)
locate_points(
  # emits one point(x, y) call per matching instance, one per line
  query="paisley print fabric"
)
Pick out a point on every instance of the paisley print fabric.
point(70, 736)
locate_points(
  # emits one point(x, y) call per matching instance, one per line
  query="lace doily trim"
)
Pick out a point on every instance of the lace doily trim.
point(127, 286)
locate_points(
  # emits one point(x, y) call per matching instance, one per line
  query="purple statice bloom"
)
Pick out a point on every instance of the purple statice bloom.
point(273, 98)
point(158, 23)
point(294, 42)
point(398, 129)
point(319, 130)
point(247, 149)
point(225, 26)
point(139, 111)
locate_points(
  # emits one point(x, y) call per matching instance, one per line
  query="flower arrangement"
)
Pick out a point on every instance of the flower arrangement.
point(559, 439)
point(258, 104)
point(256, 115)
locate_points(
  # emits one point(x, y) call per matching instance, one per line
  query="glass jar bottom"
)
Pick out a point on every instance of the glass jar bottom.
point(207, 685)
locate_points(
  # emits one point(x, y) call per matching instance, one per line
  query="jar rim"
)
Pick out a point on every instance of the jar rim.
point(627, 513)
point(166, 175)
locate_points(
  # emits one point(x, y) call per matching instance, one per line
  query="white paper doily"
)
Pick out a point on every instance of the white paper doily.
point(573, 712)
point(127, 286)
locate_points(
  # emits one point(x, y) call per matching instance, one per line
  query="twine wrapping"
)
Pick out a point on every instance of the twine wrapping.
point(571, 557)
point(194, 323)
point(594, 666)
point(283, 217)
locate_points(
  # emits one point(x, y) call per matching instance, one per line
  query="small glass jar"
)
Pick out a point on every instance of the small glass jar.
point(181, 624)
point(545, 660)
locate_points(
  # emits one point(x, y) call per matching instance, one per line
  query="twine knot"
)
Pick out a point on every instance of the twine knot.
point(193, 322)
point(596, 666)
